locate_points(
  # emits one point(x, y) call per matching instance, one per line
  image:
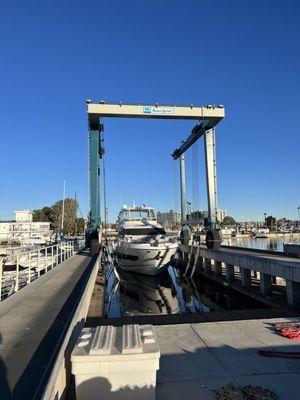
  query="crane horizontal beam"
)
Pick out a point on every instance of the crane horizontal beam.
point(198, 131)
point(211, 114)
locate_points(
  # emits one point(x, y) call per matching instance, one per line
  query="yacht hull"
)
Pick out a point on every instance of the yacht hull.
point(143, 258)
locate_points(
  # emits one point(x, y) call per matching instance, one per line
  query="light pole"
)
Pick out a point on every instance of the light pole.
point(265, 215)
point(189, 207)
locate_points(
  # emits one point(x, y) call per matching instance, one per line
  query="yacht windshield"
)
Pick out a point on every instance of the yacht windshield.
point(138, 214)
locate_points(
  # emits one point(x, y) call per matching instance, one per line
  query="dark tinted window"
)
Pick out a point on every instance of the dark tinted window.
point(145, 231)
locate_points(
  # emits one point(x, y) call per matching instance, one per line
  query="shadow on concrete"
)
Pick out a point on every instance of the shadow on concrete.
point(92, 388)
point(5, 392)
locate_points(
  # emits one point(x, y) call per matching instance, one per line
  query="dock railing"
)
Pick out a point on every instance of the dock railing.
point(21, 268)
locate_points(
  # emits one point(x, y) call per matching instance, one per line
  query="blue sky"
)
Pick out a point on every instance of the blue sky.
point(242, 54)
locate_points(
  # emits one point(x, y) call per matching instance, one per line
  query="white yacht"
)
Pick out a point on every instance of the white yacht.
point(143, 245)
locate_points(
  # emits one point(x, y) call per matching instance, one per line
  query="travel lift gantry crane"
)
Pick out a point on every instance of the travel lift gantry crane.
point(207, 117)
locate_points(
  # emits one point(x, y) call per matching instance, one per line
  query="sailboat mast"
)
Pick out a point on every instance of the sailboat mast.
point(63, 208)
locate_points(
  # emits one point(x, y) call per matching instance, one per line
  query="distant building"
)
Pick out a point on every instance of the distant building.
point(24, 216)
point(200, 215)
point(4, 231)
point(221, 214)
point(169, 219)
point(24, 231)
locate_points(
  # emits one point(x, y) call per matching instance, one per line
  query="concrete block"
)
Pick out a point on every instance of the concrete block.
point(293, 293)
point(116, 363)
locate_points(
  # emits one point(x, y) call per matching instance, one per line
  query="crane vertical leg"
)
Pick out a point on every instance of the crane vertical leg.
point(94, 177)
point(182, 188)
point(93, 230)
point(213, 237)
point(211, 179)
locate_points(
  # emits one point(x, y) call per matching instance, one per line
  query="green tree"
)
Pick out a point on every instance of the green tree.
point(43, 215)
point(70, 215)
point(228, 221)
point(80, 226)
point(271, 222)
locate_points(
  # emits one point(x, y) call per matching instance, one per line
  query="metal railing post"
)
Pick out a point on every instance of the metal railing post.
point(46, 259)
point(29, 267)
point(38, 263)
point(57, 255)
point(52, 257)
point(1, 274)
point(17, 273)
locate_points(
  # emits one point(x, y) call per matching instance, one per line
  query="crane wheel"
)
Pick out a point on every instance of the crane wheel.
point(213, 239)
point(185, 234)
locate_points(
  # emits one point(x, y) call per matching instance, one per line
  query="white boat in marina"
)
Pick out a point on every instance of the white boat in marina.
point(143, 245)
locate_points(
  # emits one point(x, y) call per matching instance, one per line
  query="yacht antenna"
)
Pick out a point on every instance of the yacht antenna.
point(76, 216)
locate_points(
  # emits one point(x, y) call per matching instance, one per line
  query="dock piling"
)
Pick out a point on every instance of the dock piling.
point(229, 273)
point(245, 277)
point(265, 283)
point(293, 293)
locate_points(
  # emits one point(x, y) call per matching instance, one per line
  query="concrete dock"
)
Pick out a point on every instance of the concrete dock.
point(196, 359)
point(33, 324)
point(40, 324)
point(269, 266)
